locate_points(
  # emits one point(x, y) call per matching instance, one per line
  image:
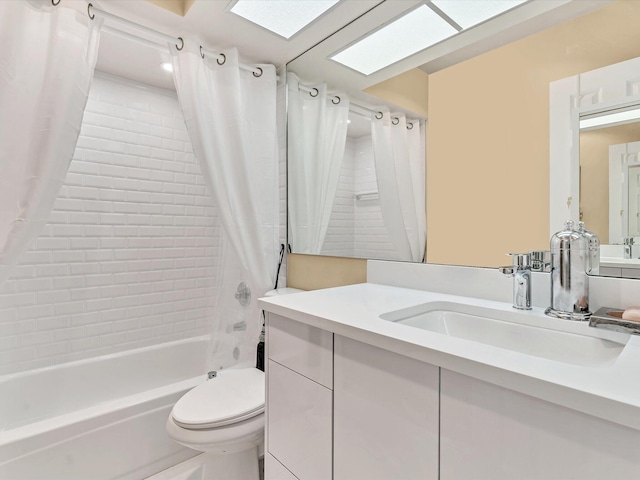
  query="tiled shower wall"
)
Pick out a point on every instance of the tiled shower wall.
point(128, 256)
point(339, 240)
point(356, 228)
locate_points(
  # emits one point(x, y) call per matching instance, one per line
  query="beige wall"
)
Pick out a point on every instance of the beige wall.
point(181, 7)
point(488, 136)
point(312, 272)
point(488, 139)
point(594, 174)
point(409, 90)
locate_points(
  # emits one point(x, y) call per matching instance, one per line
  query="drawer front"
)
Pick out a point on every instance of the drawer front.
point(299, 417)
point(304, 349)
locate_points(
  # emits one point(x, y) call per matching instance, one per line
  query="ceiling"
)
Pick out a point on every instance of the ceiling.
point(207, 23)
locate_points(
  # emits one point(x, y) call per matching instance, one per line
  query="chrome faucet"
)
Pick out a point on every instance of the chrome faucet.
point(521, 273)
point(630, 247)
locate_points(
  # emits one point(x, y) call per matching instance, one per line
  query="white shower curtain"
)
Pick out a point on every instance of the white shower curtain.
point(400, 171)
point(47, 60)
point(230, 115)
point(317, 136)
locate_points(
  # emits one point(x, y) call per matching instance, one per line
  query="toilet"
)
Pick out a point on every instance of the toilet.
point(224, 418)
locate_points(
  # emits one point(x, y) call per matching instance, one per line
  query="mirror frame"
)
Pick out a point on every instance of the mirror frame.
point(597, 91)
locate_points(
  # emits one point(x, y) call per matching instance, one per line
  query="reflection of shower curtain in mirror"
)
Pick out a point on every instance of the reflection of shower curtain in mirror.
point(317, 135)
point(399, 159)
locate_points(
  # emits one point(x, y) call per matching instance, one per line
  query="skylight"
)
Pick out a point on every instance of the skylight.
point(430, 23)
point(405, 36)
point(282, 17)
point(468, 13)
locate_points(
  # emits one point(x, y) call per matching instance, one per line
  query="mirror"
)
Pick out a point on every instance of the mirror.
point(356, 177)
point(598, 112)
point(610, 187)
point(496, 181)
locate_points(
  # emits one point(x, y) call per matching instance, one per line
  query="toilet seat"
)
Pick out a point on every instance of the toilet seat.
point(235, 395)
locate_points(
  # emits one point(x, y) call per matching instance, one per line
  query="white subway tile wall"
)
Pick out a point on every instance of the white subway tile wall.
point(356, 228)
point(128, 257)
point(339, 241)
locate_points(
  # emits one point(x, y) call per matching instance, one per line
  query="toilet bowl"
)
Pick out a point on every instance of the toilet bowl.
point(224, 418)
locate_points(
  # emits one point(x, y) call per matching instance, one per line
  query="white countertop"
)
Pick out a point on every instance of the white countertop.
point(609, 392)
point(619, 262)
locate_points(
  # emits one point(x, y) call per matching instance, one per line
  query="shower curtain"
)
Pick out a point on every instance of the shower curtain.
point(46, 66)
point(230, 115)
point(398, 150)
point(317, 135)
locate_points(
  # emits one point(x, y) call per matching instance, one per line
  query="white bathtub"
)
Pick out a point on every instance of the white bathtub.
point(100, 418)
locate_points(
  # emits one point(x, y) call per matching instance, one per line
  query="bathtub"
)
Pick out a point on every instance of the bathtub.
point(100, 418)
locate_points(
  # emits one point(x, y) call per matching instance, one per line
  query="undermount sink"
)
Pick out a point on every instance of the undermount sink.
point(509, 330)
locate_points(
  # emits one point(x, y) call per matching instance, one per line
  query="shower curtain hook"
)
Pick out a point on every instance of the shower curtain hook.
point(201, 52)
point(224, 59)
point(314, 89)
point(409, 125)
point(54, 3)
point(181, 44)
point(89, 7)
point(379, 115)
point(333, 100)
point(395, 120)
point(258, 74)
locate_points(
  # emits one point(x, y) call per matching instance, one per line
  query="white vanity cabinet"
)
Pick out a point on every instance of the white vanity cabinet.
point(491, 433)
point(299, 401)
point(341, 409)
point(385, 414)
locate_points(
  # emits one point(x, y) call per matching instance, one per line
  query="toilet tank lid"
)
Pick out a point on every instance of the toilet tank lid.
point(282, 291)
point(233, 395)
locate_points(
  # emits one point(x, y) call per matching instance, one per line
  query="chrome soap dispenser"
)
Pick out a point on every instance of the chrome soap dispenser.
point(570, 262)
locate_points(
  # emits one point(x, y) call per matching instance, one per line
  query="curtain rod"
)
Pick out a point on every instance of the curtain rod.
point(221, 58)
point(336, 100)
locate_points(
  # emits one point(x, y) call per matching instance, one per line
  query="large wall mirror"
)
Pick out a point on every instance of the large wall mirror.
point(491, 186)
point(602, 109)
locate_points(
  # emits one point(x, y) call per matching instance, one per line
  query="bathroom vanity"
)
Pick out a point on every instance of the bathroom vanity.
point(379, 382)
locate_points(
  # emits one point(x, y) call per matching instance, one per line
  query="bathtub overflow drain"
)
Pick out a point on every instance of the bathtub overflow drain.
point(212, 374)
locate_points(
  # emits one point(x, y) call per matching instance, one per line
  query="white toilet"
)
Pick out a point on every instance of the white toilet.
point(224, 418)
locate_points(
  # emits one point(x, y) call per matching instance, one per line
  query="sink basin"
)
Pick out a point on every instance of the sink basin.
point(509, 330)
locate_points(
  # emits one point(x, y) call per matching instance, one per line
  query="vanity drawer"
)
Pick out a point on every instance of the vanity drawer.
point(304, 349)
point(299, 418)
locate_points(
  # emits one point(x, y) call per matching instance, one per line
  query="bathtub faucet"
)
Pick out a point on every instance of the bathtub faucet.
point(243, 294)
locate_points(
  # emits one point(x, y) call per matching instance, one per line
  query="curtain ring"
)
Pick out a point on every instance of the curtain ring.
point(314, 89)
point(409, 125)
point(201, 52)
point(333, 100)
point(224, 59)
point(379, 115)
point(89, 7)
point(258, 74)
point(54, 3)
point(395, 120)
point(181, 44)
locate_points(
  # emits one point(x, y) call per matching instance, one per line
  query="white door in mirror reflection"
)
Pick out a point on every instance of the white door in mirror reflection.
point(634, 200)
point(624, 192)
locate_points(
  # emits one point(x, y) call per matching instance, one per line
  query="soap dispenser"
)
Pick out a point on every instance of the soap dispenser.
point(569, 280)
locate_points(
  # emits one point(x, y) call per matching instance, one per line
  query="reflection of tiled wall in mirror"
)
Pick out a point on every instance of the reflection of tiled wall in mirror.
point(356, 228)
